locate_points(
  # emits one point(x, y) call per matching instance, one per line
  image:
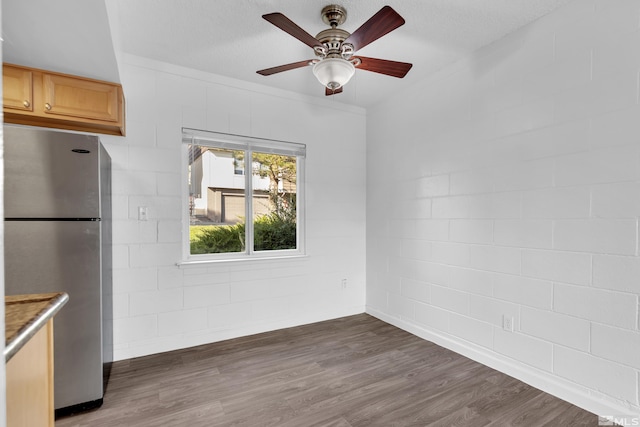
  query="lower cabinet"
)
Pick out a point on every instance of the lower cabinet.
point(30, 382)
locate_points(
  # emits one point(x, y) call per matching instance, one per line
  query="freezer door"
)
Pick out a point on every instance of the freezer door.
point(54, 256)
point(50, 174)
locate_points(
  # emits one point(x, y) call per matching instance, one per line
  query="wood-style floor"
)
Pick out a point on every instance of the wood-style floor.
point(354, 371)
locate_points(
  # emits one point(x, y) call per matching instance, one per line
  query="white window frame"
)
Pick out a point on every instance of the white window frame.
point(249, 145)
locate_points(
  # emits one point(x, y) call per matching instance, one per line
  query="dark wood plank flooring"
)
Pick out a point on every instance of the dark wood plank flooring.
point(349, 372)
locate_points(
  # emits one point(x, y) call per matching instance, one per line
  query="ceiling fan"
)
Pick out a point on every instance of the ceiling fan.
point(336, 48)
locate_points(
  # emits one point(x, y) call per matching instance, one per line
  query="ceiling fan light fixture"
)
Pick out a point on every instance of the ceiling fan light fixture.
point(334, 73)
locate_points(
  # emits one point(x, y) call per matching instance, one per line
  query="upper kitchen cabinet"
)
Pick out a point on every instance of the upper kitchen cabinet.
point(43, 98)
point(17, 88)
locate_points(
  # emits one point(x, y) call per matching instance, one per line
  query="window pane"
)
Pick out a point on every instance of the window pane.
point(244, 197)
point(274, 201)
point(216, 200)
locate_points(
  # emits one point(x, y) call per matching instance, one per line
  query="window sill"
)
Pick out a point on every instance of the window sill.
point(199, 263)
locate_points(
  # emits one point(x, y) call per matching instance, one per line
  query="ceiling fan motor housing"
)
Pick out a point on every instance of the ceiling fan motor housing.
point(332, 39)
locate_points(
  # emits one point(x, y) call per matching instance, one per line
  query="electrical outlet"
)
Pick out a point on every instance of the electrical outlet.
point(507, 323)
point(344, 283)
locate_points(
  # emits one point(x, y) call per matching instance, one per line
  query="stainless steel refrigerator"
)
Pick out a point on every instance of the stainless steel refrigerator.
point(58, 238)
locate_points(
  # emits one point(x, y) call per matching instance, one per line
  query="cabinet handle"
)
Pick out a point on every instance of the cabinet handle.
point(26, 104)
point(47, 106)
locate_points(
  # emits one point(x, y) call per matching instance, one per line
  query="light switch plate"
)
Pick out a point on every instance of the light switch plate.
point(143, 213)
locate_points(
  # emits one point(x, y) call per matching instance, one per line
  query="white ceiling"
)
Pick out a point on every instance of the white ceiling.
point(67, 36)
point(229, 37)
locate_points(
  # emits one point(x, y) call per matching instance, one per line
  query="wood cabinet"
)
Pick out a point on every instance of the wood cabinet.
point(30, 382)
point(28, 355)
point(43, 98)
point(17, 89)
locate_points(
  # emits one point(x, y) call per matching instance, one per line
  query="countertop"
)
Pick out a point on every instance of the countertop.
point(25, 315)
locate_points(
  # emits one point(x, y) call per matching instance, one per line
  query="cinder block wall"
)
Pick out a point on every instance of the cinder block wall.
point(159, 306)
point(515, 177)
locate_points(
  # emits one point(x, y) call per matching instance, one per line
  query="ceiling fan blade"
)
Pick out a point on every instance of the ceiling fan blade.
point(288, 26)
point(383, 22)
point(329, 92)
point(384, 66)
point(286, 67)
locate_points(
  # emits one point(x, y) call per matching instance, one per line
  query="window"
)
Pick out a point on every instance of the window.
point(231, 178)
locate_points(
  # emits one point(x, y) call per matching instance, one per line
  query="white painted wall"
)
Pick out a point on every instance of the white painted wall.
point(3, 400)
point(509, 184)
point(159, 306)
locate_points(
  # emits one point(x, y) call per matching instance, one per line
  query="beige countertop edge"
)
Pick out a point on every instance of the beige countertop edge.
point(31, 327)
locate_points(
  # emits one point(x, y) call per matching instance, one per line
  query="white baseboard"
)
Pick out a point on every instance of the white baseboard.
point(545, 381)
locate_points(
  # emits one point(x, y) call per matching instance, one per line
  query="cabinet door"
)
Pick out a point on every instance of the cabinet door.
point(30, 382)
point(17, 86)
point(87, 99)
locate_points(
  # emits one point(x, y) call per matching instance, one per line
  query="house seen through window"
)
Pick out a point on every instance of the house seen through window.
point(232, 178)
